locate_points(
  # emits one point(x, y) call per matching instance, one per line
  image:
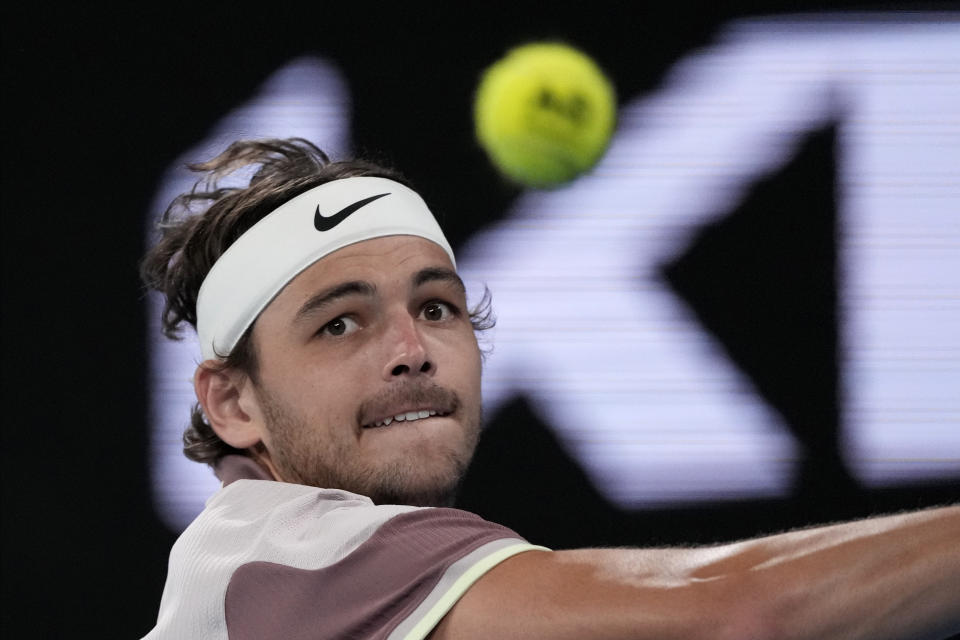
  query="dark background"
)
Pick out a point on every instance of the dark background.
point(99, 103)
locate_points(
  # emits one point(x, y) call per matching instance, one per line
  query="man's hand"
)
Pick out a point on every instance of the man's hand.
point(890, 577)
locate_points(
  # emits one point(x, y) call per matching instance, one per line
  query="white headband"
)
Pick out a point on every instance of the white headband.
point(260, 263)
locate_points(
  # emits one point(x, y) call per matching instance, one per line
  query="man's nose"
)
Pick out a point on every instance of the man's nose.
point(407, 353)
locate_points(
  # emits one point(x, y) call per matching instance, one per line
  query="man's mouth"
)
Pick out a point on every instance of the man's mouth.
point(406, 416)
point(407, 402)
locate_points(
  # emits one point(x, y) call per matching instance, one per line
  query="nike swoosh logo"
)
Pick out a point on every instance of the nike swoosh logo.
point(324, 223)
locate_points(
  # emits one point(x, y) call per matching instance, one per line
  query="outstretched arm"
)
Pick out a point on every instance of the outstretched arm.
point(891, 577)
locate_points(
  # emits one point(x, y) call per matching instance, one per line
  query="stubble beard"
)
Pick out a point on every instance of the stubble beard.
point(304, 455)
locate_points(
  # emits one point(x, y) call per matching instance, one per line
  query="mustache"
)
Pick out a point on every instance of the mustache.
point(407, 396)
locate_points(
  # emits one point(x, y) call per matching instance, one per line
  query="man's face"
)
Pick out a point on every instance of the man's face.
point(369, 374)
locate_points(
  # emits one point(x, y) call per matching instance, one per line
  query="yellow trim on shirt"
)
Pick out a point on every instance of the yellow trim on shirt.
point(464, 582)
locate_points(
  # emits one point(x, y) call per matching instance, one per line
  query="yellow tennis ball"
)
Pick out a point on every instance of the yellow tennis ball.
point(544, 113)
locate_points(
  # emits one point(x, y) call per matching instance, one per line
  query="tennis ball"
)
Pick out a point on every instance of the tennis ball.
point(544, 113)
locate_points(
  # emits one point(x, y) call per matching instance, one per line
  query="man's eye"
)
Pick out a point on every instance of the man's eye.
point(340, 326)
point(436, 311)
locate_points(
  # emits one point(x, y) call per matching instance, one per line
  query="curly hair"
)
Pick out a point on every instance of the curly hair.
point(199, 226)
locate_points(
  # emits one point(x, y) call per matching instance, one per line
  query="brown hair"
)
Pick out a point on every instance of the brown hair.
point(201, 224)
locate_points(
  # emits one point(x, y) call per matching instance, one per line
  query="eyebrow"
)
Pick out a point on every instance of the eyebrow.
point(435, 274)
point(327, 297)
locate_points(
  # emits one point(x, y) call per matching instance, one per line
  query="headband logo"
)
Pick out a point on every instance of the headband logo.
point(323, 223)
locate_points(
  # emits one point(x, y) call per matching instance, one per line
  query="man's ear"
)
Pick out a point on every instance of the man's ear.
point(229, 403)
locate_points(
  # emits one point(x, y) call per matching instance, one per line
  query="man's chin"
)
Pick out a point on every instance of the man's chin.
point(418, 478)
point(417, 491)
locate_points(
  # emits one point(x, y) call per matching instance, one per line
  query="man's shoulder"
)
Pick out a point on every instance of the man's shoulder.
point(270, 521)
point(262, 546)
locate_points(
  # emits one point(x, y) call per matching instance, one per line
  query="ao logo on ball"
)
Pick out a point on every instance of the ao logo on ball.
point(544, 114)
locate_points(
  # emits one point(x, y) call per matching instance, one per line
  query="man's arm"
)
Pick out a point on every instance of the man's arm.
point(891, 577)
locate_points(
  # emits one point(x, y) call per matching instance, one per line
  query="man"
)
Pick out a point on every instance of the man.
point(339, 403)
